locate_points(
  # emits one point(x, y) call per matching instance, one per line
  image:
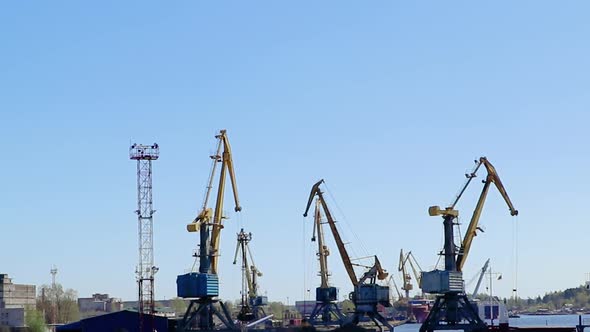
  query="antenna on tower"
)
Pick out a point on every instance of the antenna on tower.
point(144, 154)
point(53, 272)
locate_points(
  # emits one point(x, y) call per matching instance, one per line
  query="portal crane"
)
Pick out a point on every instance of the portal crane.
point(367, 293)
point(407, 278)
point(252, 303)
point(326, 310)
point(409, 258)
point(452, 307)
point(202, 287)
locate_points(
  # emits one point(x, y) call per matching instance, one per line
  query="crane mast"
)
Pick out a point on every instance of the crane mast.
point(323, 251)
point(202, 288)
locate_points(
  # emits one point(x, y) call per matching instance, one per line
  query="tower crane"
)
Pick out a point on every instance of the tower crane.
point(202, 287)
point(252, 303)
point(326, 296)
point(452, 309)
point(367, 293)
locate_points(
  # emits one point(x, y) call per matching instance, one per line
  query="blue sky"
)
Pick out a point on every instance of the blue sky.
point(388, 101)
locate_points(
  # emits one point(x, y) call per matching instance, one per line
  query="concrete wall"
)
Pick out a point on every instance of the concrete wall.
point(99, 302)
point(16, 296)
point(13, 301)
point(14, 317)
point(89, 304)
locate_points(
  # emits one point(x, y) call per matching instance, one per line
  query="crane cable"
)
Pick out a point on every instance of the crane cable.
point(305, 256)
point(515, 257)
point(365, 252)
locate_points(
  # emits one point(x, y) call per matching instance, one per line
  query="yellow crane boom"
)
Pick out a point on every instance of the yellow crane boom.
point(214, 218)
point(226, 164)
point(492, 177)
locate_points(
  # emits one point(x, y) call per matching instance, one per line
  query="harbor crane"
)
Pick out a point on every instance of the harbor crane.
point(367, 293)
point(326, 305)
point(252, 303)
point(404, 260)
point(407, 286)
point(202, 287)
point(406, 277)
point(452, 310)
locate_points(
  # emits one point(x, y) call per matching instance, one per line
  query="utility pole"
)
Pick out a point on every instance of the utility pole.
point(144, 154)
point(499, 276)
point(53, 272)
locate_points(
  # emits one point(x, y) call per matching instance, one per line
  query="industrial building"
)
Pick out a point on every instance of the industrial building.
point(14, 299)
point(99, 303)
point(125, 320)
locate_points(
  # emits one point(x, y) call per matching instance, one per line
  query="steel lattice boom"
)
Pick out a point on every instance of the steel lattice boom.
point(144, 154)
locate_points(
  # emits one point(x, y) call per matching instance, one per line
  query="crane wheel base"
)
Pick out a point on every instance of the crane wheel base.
point(453, 311)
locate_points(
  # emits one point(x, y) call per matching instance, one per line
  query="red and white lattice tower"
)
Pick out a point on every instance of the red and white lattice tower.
point(144, 154)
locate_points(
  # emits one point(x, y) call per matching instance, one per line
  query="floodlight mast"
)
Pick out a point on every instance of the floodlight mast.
point(146, 270)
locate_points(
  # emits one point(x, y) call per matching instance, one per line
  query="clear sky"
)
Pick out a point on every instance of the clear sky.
point(388, 101)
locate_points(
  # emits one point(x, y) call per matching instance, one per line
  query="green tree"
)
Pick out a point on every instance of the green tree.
point(34, 320)
point(347, 306)
point(276, 308)
point(178, 305)
point(59, 305)
point(230, 306)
